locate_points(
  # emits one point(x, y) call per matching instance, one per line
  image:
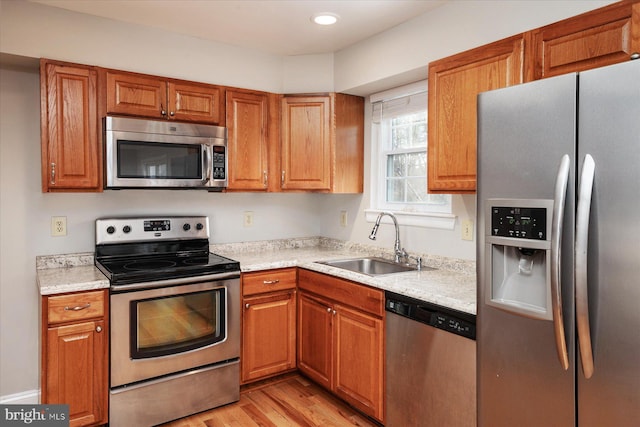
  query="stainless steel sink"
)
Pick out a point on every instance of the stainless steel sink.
point(371, 266)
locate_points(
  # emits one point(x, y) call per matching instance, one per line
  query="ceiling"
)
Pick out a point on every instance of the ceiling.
point(279, 27)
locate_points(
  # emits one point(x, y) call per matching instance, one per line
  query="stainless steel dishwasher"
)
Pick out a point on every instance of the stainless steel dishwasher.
point(430, 364)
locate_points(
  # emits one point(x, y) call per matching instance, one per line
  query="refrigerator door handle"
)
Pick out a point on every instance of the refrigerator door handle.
point(581, 246)
point(560, 194)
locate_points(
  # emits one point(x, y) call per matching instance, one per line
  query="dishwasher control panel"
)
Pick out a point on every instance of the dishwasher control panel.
point(450, 320)
point(455, 325)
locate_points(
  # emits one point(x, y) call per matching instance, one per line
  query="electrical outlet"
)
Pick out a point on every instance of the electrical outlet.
point(248, 219)
point(467, 230)
point(343, 218)
point(58, 225)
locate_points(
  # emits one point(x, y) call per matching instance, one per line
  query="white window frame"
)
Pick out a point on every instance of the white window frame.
point(421, 215)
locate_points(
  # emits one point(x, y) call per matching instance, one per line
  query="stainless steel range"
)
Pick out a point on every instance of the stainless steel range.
point(175, 319)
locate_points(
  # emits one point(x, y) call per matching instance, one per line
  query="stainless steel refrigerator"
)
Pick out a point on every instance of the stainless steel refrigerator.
point(558, 255)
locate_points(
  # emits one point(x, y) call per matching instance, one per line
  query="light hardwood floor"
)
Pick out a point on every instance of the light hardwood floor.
point(289, 401)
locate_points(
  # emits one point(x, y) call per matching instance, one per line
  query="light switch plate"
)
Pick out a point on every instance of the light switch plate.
point(467, 230)
point(344, 218)
point(248, 219)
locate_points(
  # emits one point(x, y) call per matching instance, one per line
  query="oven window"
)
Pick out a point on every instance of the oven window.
point(157, 160)
point(174, 324)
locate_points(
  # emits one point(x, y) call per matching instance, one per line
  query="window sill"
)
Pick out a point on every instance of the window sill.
point(415, 219)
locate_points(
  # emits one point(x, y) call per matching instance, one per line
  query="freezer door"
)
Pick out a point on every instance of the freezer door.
point(609, 129)
point(523, 133)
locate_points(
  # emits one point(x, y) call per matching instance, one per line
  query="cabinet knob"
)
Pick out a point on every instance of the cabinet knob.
point(247, 305)
point(328, 309)
point(162, 111)
point(635, 55)
point(333, 312)
point(172, 114)
point(98, 328)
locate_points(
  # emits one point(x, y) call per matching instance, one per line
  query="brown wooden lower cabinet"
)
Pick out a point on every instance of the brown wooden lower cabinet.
point(268, 324)
point(341, 344)
point(74, 355)
point(269, 335)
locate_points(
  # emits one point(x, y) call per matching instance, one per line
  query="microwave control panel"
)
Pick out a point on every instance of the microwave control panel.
point(219, 162)
point(521, 223)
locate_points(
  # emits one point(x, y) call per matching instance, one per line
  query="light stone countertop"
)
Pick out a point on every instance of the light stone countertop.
point(451, 284)
point(70, 279)
point(445, 287)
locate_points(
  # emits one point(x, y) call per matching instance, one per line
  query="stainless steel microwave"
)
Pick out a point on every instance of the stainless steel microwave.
point(140, 153)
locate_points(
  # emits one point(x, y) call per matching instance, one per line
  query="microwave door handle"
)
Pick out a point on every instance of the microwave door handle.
point(556, 237)
point(581, 248)
point(207, 160)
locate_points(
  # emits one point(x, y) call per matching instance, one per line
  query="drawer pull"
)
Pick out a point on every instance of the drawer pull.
point(271, 282)
point(78, 307)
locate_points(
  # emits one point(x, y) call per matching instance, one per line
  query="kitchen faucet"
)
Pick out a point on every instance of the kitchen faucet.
point(399, 252)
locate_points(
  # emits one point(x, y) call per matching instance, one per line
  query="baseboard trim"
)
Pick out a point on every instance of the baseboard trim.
point(29, 397)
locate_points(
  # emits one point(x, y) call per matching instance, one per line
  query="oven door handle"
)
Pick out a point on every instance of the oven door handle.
point(178, 281)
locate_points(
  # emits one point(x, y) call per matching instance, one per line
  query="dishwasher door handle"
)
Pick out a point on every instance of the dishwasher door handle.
point(423, 314)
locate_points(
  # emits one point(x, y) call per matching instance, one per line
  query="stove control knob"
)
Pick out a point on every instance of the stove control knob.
point(111, 229)
point(126, 229)
point(199, 226)
point(186, 227)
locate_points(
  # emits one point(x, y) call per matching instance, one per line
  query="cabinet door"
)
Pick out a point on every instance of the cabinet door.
point(454, 84)
point(269, 335)
point(247, 126)
point(601, 37)
point(306, 143)
point(71, 157)
point(76, 371)
point(315, 342)
point(359, 366)
point(348, 163)
point(135, 95)
point(195, 103)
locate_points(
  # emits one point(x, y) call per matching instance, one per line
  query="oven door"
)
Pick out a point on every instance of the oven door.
point(165, 330)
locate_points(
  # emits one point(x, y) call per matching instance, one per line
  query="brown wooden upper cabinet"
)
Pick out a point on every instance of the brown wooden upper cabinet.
point(602, 37)
point(454, 83)
point(156, 97)
point(322, 139)
point(71, 148)
point(253, 143)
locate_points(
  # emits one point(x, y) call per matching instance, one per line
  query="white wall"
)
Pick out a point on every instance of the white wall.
point(34, 30)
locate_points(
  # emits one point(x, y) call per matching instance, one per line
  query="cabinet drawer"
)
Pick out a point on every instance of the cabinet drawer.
point(268, 281)
point(77, 306)
point(348, 293)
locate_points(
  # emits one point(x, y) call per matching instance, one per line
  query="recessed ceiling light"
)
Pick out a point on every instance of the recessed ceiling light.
point(325, 18)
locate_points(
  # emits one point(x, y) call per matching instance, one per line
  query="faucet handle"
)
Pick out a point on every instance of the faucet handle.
point(418, 261)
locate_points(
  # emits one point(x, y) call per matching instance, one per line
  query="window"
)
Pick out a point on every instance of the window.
point(399, 156)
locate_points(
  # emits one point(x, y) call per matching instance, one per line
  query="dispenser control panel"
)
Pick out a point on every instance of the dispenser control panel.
point(521, 223)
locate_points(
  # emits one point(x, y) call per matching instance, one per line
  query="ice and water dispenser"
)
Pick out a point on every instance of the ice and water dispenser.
point(518, 254)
